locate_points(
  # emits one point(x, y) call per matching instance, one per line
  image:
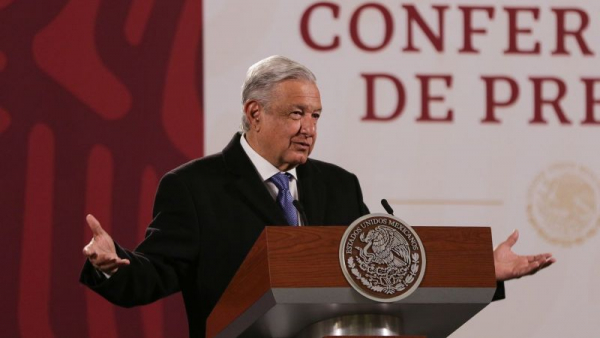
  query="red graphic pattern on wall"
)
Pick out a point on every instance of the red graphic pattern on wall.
point(98, 99)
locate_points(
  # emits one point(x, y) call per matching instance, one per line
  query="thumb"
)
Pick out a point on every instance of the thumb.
point(94, 225)
point(512, 239)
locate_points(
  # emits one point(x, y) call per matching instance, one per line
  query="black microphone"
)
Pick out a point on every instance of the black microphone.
point(300, 209)
point(387, 207)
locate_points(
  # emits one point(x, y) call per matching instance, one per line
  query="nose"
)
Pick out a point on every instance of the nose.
point(308, 126)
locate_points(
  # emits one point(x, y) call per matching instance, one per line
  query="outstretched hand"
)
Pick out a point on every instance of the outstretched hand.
point(101, 250)
point(510, 265)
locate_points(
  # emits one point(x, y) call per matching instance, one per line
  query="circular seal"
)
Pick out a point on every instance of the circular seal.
point(564, 204)
point(382, 257)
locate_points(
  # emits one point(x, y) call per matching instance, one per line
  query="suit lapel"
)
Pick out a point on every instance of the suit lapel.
point(312, 191)
point(248, 185)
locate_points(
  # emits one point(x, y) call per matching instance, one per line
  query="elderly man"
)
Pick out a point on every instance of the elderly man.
point(209, 212)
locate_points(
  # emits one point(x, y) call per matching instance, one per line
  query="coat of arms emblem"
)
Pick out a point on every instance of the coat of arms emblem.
point(382, 257)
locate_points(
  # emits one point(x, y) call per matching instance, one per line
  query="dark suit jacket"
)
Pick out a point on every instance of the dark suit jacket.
point(207, 215)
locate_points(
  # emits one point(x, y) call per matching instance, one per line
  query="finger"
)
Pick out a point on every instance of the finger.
point(91, 256)
point(539, 258)
point(540, 265)
point(88, 250)
point(512, 239)
point(103, 258)
point(94, 225)
point(123, 262)
point(113, 265)
point(105, 264)
point(547, 263)
point(530, 269)
point(542, 258)
point(111, 260)
point(108, 268)
point(115, 261)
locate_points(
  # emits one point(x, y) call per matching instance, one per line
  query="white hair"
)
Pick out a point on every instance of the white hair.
point(265, 74)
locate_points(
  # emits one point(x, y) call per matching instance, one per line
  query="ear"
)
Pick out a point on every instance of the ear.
point(253, 111)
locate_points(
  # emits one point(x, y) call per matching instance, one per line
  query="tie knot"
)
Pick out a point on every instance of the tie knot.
point(281, 181)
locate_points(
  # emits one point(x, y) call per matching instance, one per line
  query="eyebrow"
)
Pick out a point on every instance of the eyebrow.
point(303, 107)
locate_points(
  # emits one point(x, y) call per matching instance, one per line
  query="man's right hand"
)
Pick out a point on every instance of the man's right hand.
point(101, 250)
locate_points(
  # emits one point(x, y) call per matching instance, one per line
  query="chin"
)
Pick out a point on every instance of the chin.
point(296, 161)
point(303, 159)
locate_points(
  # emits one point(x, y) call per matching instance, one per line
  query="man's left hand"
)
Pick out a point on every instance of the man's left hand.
point(510, 265)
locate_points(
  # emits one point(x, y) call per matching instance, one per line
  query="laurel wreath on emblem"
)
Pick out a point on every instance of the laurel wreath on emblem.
point(389, 268)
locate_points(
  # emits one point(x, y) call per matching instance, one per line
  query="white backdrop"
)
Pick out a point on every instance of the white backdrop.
point(540, 177)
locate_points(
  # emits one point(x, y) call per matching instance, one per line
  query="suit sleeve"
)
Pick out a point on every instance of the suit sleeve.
point(163, 259)
point(500, 292)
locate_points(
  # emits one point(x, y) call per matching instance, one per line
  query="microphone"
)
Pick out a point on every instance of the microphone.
point(386, 206)
point(301, 211)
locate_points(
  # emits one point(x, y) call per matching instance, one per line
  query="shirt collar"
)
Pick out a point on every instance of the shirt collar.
point(265, 168)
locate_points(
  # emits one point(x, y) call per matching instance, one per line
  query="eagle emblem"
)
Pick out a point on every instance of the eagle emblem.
point(382, 257)
point(388, 247)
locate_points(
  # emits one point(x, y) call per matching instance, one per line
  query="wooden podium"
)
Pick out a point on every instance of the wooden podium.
point(291, 285)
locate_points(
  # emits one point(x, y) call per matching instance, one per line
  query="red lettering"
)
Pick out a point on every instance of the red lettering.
point(562, 32)
point(389, 27)
point(514, 29)
point(370, 80)
point(539, 101)
point(490, 100)
point(426, 98)
point(304, 23)
point(590, 101)
point(414, 17)
point(468, 29)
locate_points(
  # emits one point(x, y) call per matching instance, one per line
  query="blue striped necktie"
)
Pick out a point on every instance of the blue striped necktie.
point(284, 197)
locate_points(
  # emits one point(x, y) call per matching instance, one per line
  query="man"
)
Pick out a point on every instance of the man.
point(209, 212)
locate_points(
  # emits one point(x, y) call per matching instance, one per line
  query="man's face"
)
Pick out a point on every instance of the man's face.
point(286, 130)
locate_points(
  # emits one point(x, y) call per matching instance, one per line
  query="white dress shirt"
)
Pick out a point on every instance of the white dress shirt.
point(266, 170)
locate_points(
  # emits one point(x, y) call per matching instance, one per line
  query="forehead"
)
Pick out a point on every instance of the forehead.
point(297, 92)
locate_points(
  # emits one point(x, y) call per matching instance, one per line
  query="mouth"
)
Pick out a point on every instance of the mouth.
point(301, 145)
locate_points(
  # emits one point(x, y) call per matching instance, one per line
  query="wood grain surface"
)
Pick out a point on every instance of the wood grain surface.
point(250, 283)
point(308, 257)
